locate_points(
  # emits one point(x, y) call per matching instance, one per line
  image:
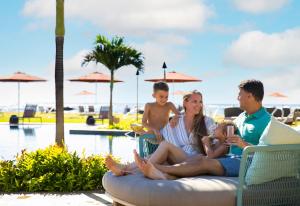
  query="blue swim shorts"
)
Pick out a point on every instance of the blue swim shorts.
point(231, 165)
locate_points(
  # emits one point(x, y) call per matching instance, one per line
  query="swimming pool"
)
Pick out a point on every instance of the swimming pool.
point(32, 137)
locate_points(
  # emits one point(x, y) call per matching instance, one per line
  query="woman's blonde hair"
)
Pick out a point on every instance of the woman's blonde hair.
point(199, 129)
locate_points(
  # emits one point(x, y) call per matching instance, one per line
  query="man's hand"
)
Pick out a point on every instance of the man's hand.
point(236, 140)
point(174, 121)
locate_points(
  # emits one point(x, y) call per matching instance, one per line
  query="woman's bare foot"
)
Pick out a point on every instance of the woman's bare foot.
point(148, 169)
point(117, 169)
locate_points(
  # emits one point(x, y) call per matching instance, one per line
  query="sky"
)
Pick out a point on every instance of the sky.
point(221, 42)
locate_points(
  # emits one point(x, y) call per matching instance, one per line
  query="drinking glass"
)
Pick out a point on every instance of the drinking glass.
point(229, 133)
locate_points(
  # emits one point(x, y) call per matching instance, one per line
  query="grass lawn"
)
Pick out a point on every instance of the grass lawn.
point(124, 123)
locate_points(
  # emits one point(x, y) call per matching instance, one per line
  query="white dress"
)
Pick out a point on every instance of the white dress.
point(179, 137)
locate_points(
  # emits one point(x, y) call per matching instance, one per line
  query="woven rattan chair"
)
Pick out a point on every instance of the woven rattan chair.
point(281, 191)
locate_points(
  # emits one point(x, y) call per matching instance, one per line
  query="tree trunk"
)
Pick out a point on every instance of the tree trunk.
point(111, 96)
point(59, 91)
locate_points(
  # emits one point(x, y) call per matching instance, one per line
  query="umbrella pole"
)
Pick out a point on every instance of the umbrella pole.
point(96, 93)
point(18, 98)
point(173, 91)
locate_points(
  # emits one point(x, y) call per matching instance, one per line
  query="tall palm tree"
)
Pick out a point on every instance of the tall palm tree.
point(113, 55)
point(59, 72)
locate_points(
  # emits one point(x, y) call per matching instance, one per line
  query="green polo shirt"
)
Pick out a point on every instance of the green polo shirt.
point(250, 128)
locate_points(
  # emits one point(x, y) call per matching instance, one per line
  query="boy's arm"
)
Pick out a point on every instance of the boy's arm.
point(146, 116)
point(174, 120)
point(174, 110)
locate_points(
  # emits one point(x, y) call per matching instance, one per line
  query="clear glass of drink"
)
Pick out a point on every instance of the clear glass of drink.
point(230, 133)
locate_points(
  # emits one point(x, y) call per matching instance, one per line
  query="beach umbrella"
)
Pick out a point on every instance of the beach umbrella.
point(85, 93)
point(175, 77)
point(95, 77)
point(280, 96)
point(21, 77)
point(277, 94)
point(179, 92)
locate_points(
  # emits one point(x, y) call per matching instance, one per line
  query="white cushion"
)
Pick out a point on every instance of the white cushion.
point(278, 133)
point(268, 166)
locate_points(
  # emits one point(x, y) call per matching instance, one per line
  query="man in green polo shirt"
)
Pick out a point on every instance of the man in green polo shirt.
point(251, 124)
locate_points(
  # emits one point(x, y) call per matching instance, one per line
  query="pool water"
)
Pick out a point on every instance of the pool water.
point(32, 137)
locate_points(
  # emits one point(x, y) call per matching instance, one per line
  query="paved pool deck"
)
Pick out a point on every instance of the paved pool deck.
point(55, 199)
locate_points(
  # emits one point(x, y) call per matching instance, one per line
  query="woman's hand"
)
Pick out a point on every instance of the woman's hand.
point(236, 140)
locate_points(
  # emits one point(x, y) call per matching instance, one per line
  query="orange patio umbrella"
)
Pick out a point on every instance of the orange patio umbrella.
point(20, 77)
point(95, 77)
point(179, 92)
point(84, 93)
point(175, 77)
point(277, 94)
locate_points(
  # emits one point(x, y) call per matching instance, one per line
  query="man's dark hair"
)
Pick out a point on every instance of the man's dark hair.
point(160, 86)
point(255, 87)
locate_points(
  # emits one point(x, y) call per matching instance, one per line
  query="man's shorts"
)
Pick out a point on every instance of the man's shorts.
point(231, 165)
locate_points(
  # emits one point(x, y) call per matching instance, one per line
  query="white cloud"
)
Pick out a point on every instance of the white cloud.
point(129, 16)
point(259, 6)
point(284, 81)
point(256, 49)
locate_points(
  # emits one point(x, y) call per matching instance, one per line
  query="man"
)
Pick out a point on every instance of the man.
point(251, 124)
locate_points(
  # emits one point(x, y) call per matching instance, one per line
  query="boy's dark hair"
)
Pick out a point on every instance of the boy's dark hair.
point(160, 86)
point(255, 87)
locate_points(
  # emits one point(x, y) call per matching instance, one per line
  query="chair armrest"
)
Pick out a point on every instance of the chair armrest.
point(249, 151)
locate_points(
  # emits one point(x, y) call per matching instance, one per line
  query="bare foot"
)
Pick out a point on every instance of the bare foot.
point(148, 169)
point(117, 169)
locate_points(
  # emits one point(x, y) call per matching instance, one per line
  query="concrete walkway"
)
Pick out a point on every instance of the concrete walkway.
point(53, 199)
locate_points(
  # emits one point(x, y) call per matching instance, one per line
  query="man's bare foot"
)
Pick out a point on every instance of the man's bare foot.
point(117, 169)
point(148, 169)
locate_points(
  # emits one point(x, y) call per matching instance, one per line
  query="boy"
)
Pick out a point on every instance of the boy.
point(156, 114)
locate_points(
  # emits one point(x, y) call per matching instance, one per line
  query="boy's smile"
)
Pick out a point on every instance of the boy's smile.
point(161, 97)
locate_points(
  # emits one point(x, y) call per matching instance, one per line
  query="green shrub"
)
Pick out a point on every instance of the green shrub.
point(52, 169)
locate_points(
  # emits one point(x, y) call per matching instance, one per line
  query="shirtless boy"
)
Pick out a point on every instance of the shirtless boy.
point(156, 114)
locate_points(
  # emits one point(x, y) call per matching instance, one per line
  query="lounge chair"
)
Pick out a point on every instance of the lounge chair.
point(103, 113)
point(296, 115)
point(81, 110)
point(270, 110)
point(29, 113)
point(230, 113)
point(91, 110)
point(41, 109)
point(284, 115)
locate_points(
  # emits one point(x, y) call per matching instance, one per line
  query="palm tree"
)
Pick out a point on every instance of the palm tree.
point(59, 72)
point(113, 55)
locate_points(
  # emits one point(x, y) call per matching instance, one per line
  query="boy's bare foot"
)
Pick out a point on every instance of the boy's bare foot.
point(116, 168)
point(148, 169)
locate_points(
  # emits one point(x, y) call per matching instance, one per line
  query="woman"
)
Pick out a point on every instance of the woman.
point(180, 142)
